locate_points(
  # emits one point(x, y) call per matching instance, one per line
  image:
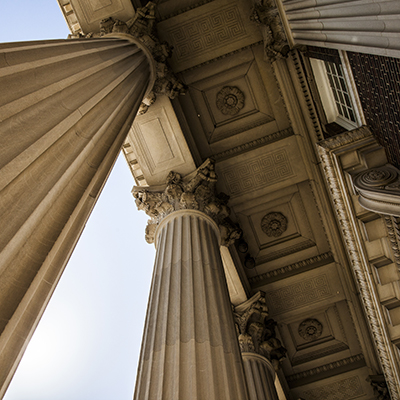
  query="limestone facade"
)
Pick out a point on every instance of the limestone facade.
point(230, 110)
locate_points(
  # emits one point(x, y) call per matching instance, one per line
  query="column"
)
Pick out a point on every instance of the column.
point(351, 25)
point(65, 109)
point(261, 350)
point(189, 348)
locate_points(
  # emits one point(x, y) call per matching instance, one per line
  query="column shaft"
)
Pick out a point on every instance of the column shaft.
point(65, 109)
point(190, 348)
point(352, 25)
point(260, 377)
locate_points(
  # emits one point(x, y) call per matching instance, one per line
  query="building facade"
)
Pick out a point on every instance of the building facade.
point(269, 128)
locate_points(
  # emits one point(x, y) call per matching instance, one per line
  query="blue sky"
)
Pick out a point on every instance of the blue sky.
point(87, 344)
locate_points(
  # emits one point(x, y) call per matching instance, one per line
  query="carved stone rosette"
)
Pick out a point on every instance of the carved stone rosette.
point(274, 224)
point(197, 191)
point(230, 100)
point(142, 28)
point(256, 332)
point(310, 329)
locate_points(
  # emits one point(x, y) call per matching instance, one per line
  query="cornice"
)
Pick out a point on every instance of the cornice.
point(183, 10)
point(393, 231)
point(291, 269)
point(308, 98)
point(222, 56)
point(348, 363)
point(254, 144)
point(356, 253)
point(346, 138)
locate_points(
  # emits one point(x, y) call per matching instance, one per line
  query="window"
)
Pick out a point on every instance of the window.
point(340, 91)
point(337, 92)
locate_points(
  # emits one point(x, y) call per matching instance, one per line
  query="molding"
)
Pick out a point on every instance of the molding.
point(350, 137)
point(306, 244)
point(393, 231)
point(254, 144)
point(183, 10)
point(307, 97)
point(292, 269)
point(313, 374)
point(315, 355)
point(222, 56)
point(357, 255)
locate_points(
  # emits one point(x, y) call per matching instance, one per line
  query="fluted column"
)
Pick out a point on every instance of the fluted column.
point(260, 377)
point(352, 25)
point(189, 348)
point(65, 109)
point(261, 350)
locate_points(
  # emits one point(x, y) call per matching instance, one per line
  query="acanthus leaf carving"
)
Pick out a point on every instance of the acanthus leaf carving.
point(197, 191)
point(142, 28)
point(256, 332)
point(266, 15)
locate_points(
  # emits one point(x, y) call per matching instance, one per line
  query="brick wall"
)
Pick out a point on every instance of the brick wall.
point(378, 84)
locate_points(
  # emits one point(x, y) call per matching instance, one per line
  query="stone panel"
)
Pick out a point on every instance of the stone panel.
point(90, 13)
point(207, 32)
point(258, 172)
point(159, 146)
point(344, 389)
point(307, 291)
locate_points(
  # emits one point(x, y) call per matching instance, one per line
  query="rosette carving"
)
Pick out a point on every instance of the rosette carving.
point(274, 224)
point(256, 332)
point(230, 100)
point(310, 329)
point(197, 191)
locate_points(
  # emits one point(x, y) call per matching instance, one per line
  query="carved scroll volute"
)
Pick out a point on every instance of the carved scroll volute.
point(256, 332)
point(379, 189)
point(197, 191)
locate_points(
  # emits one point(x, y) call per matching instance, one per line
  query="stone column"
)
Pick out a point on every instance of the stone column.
point(65, 109)
point(352, 25)
point(261, 350)
point(189, 348)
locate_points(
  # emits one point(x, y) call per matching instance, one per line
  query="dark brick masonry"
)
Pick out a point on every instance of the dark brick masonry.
point(378, 83)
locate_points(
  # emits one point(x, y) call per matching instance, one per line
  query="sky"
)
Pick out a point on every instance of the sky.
point(87, 343)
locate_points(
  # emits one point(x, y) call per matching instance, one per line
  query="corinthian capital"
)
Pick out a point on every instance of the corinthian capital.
point(196, 191)
point(265, 14)
point(256, 332)
point(142, 28)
